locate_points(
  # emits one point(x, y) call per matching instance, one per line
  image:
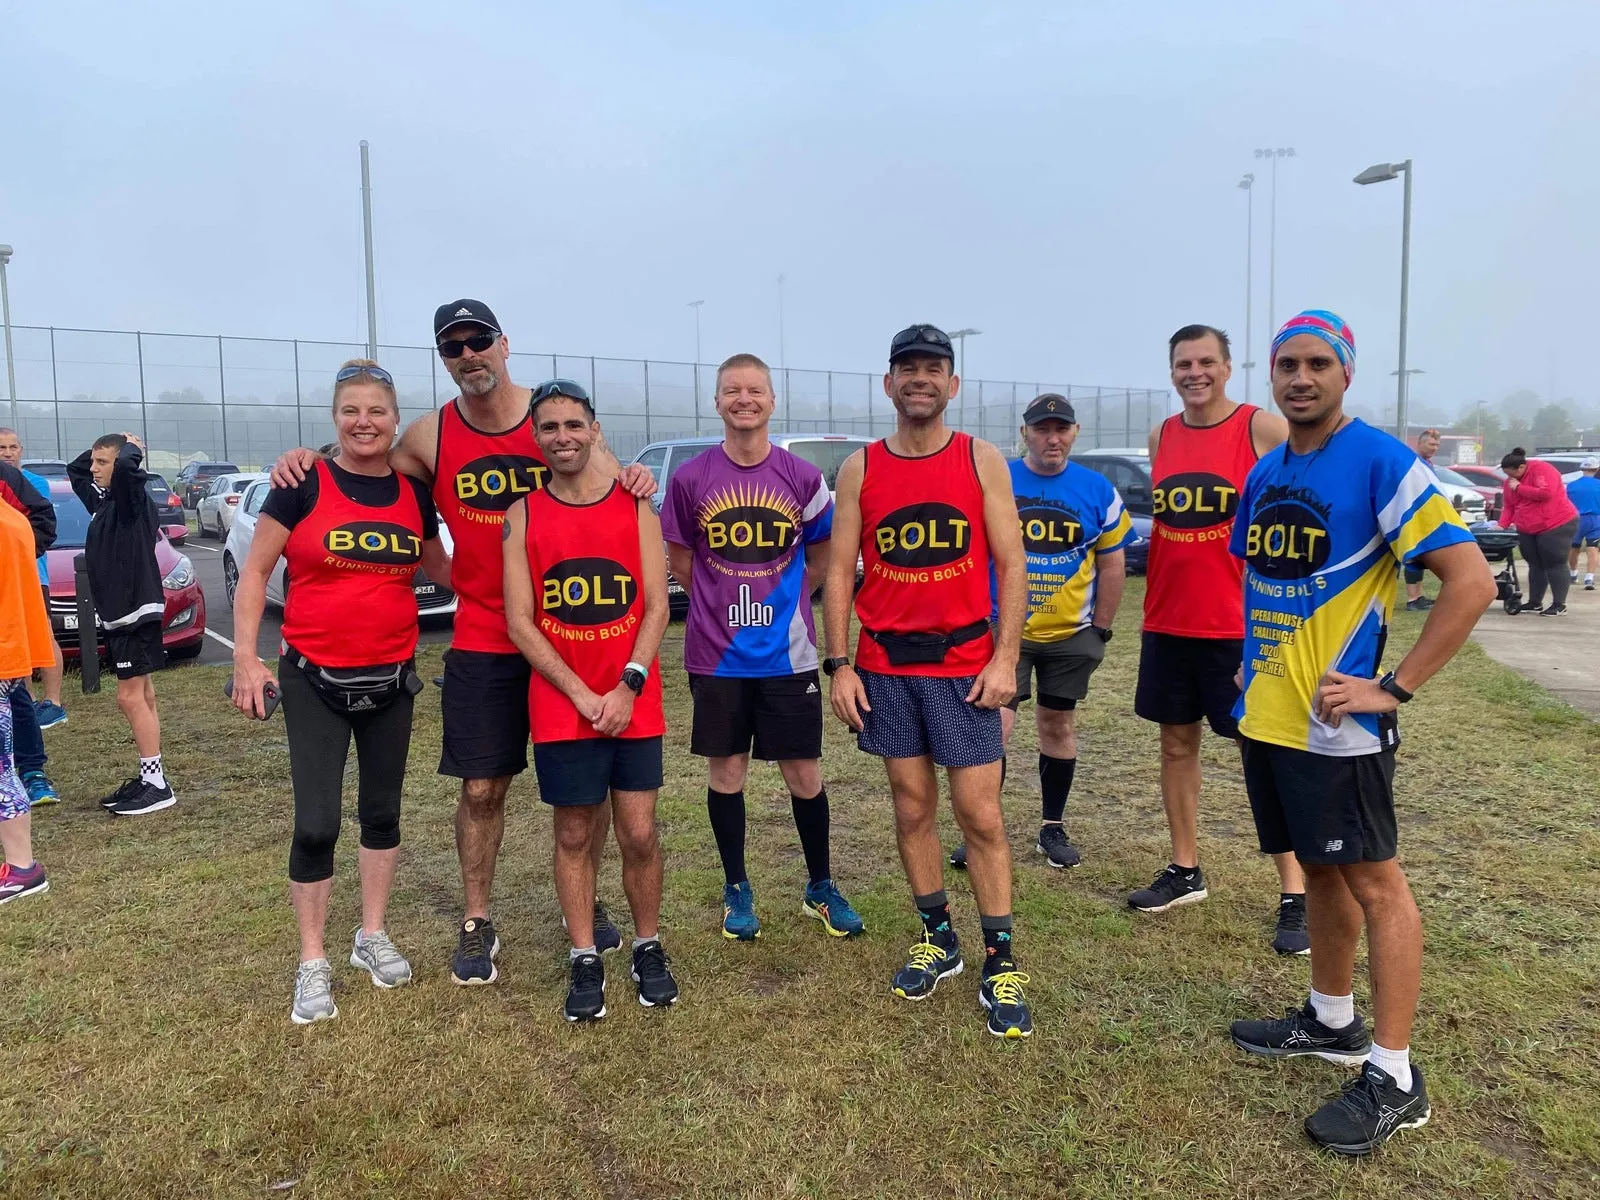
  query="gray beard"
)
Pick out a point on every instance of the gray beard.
point(480, 385)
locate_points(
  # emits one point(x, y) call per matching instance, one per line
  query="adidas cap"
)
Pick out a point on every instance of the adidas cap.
point(464, 312)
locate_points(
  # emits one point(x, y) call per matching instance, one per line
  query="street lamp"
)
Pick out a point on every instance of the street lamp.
point(696, 304)
point(1272, 237)
point(1382, 173)
point(5, 316)
point(1405, 427)
point(961, 335)
point(1248, 185)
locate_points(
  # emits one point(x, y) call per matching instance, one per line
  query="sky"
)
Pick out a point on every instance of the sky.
point(1062, 176)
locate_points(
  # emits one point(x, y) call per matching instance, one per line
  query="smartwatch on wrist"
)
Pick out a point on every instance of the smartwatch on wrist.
point(1388, 684)
point(634, 675)
point(1105, 634)
point(830, 665)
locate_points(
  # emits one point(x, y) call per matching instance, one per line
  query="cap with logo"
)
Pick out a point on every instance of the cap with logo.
point(1051, 406)
point(464, 312)
point(927, 340)
point(1590, 464)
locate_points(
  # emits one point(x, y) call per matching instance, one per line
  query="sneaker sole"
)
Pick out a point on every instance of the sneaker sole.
point(581, 1019)
point(327, 1016)
point(1362, 1149)
point(494, 971)
point(934, 986)
point(42, 886)
point(53, 724)
point(1186, 898)
point(355, 961)
point(1306, 953)
point(740, 937)
point(1344, 1059)
point(643, 1003)
point(1050, 862)
point(1010, 1033)
point(958, 866)
point(43, 801)
point(149, 808)
point(816, 914)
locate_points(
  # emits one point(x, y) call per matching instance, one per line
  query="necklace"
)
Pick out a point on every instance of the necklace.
point(1305, 468)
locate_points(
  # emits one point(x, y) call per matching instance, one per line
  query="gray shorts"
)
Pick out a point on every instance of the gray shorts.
point(1063, 668)
point(916, 716)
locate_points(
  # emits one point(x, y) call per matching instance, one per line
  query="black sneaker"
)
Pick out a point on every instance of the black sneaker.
point(476, 948)
point(1299, 1032)
point(1174, 886)
point(586, 994)
point(1291, 936)
point(129, 786)
point(1001, 996)
point(144, 798)
point(958, 857)
point(1368, 1111)
point(935, 957)
point(1056, 847)
point(1555, 610)
point(1420, 604)
point(607, 937)
point(652, 972)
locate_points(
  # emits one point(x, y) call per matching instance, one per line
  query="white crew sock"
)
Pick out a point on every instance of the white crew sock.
point(150, 772)
point(1588, 579)
point(1336, 1012)
point(1394, 1063)
point(577, 952)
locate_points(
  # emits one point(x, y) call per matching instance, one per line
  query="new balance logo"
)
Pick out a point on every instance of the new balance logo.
point(746, 613)
point(1333, 847)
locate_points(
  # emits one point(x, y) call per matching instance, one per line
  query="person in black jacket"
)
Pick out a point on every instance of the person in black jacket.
point(126, 585)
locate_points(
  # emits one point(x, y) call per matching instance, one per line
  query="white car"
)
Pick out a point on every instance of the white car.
point(214, 513)
point(432, 599)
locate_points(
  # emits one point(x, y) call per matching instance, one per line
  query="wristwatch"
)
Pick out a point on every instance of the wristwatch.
point(1388, 684)
point(830, 665)
point(1105, 634)
point(633, 675)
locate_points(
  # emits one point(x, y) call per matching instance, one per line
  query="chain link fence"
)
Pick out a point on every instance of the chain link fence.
point(244, 400)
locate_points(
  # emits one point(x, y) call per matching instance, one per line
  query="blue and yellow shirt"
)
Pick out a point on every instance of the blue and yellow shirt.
point(1323, 536)
point(1066, 519)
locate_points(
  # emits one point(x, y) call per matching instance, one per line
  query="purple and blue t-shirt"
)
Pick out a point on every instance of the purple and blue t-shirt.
point(748, 528)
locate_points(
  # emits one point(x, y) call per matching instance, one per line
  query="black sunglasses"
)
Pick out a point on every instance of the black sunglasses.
point(926, 334)
point(569, 388)
point(377, 373)
point(477, 343)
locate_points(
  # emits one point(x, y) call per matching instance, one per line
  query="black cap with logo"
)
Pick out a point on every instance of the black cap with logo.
point(464, 312)
point(1051, 406)
point(921, 339)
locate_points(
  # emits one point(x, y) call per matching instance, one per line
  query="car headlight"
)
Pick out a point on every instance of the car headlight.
point(181, 576)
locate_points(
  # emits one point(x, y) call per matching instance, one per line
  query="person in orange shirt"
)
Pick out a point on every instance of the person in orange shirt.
point(24, 645)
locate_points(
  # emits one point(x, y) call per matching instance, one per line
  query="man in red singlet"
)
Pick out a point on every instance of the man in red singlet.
point(930, 510)
point(478, 456)
point(1194, 607)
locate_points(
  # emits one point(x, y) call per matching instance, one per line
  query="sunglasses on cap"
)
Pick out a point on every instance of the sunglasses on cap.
point(569, 388)
point(377, 373)
point(927, 335)
point(477, 343)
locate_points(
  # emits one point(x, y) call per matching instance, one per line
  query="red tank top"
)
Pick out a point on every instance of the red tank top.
point(350, 601)
point(476, 477)
point(925, 554)
point(1195, 588)
point(585, 563)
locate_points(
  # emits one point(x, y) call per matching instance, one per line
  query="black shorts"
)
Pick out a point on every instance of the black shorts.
point(1185, 679)
point(136, 651)
point(916, 716)
point(1063, 668)
point(584, 771)
point(485, 710)
point(782, 714)
point(1326, 809)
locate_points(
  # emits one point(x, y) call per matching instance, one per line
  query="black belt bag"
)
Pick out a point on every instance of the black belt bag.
point(910, 649)
point(351, 691)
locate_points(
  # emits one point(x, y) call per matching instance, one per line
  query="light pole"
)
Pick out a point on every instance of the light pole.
point(782, 361)
point(1403, 427)
point(696, 304)
point(366, 233)
point(1272, 237)
point(1247, 183)
point(5, 314)
point(961, 335)
point(1382, 173)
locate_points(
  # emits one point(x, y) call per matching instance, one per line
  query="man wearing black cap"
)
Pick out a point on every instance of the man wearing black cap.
point(479, 456)
point(1074, 530)
point(930, 511)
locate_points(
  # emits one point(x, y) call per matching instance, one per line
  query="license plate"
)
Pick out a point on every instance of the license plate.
point(428, 589)
point(69, 620)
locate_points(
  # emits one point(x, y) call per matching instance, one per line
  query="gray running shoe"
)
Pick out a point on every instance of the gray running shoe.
point(313, 993)
point(377, 955)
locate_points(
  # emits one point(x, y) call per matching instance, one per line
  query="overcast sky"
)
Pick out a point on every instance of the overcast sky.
point(1061, 176)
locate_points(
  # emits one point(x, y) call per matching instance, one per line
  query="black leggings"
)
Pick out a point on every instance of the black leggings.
point(319, 743)
point(1546, 556)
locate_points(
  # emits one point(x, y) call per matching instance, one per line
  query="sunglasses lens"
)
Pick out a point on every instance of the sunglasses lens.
point(480, 342)
point(456, 347)
point(451, 349)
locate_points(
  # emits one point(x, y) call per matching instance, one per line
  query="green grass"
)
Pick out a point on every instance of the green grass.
point(147, 1050)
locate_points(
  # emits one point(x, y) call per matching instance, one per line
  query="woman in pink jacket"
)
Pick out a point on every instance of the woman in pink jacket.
point(1536, 504)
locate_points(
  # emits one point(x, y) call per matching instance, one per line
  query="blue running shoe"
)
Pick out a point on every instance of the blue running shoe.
point(40, 789)
point(50, 714)
point(739, 921)
point(828, 905)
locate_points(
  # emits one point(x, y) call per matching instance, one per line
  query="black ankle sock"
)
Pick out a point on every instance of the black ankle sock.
point(726, 810)
point(935, 910)
point(1055, 781)
point(811, 822)
point(998, 954)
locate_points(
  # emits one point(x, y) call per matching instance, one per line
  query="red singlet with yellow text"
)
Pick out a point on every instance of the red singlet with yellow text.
point(476, 477)
point(925, 553)
point(1194, 587)
point(350, 601)
point(586, 567)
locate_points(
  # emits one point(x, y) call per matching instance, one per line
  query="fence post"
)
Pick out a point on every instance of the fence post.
point(299, 428)
point(1097, 440)
point(433, 377)
point(788, 407)
point(55, 394)
point(1127, 416)
point(222, 396)
point(647, 438)
point(593, 391)
point(830, 401)
point(144, 417)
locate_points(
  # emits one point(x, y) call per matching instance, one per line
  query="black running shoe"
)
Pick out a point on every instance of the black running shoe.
point(1555, 610)
point(1001, 996)
point(1368, 1111)
point(1174, 886)
point(607, 937)
point(958, 857)
point(935, 957)
point(1420, 604)
point(1291, 936)
point(586, 993)
point(1299, 1032)
point(145, 798)
point(473, 963)
point(652, 972)
point(1057, 847)
point(129, 786)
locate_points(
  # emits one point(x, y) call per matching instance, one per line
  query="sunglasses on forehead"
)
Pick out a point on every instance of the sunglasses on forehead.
point(377, 373)
point(925, 334)
point(477, 343)
point(569, 388)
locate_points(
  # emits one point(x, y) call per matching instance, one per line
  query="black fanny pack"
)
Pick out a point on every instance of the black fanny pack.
point(351, 691)
point(909, 649)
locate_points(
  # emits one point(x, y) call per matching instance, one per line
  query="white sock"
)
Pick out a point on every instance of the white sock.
point(150, 772)
point(639, 941)
point(1589, 578)
point(1336, 1012)
point(577, 952)
point(1394, 1063)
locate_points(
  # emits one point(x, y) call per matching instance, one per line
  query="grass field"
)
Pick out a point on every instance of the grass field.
point(147, 1049)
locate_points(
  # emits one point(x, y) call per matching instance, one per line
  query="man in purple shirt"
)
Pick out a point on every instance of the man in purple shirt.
point(747, 526)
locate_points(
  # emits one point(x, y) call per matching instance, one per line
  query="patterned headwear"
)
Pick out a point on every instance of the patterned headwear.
point(1330, 327)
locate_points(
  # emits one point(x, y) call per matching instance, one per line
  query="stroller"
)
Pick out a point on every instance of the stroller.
point(1499, 546)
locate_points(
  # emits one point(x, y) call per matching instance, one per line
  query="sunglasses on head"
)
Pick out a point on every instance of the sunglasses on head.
point(925, 334)
point(569, 388)
point(477, 343)
point(377, 373)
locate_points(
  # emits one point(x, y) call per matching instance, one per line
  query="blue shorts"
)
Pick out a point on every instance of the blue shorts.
point(1588, 530)
point(588, 770)
point(920, 715)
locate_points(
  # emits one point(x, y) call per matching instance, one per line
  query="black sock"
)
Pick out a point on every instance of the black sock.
point(1002, 771)
point(811, 822)
point(997, 950)
point(935, 910)
point(1055, 781)
point(726, 810)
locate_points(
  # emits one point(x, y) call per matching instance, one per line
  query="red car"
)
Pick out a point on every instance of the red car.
point(169, 509)
point(1489, 481)
point(183, 622)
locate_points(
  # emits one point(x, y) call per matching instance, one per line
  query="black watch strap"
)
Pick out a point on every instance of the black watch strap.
point(634, 679)
point(1388, 684)
point(830, 665)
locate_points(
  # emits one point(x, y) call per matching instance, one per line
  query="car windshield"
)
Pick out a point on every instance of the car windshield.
point(826, 455)
point(1446, 475)
point(72, 521)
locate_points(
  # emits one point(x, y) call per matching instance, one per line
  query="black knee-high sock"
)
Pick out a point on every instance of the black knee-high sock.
point(811, 821)
point(1055, 781)
point(726, 810)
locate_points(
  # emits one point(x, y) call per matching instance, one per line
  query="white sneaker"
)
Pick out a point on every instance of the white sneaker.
point(313, 993)
point(378, 956)
point(1588, 583)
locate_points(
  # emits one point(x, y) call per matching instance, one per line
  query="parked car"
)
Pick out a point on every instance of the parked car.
point(1465, 496)
point(1565, 459)
point(183, 623)
point(214, 514)
point(1136, 555)
point(194, 479)
point(50, 468)
point(1128, 469)
point(169, 509)
point(1458, 478)
point(433, 599)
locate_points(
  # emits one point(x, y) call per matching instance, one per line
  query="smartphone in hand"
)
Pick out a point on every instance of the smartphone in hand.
point(269, 693)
